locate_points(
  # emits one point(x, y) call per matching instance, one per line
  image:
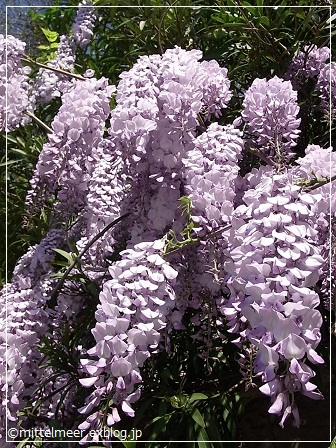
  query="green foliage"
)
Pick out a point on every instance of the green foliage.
point(183, 398)
point(23, 147)
point(185, 238)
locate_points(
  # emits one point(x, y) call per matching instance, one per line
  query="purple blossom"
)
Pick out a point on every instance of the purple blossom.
point(327, 79)
point(210, 173)
point(26, 323)
point(50, 84)
point(66, 161)
point(17, 86)
point(131, 317)
point(273, 264)
point(84, 23)
point(270, 110)
point(307, 64)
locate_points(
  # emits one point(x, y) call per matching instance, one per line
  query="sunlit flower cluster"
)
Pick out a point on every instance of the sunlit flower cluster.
point(15, 93)
point(65, 163)
point(273, 266)
point(133, 310)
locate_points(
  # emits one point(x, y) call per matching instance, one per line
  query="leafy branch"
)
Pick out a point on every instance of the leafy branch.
point(61, 281)
point(172, 243)
point(315, 182)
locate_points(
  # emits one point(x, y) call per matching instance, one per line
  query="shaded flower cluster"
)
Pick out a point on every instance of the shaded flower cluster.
point(325, 81)
point(25, 318)
point(24, 321)
point(36, 262)
point(307, 64)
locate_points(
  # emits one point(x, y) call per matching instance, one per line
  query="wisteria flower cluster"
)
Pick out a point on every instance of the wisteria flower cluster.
point(50, 84)
point(274, 266)
point(77, 130)
point(15, 89)
point(307, 64)
point(270, 111)
point(24, 319)
point(133, 311)
point(199, 243)
point(311, 63)
point(84, 23)
point(326, 85)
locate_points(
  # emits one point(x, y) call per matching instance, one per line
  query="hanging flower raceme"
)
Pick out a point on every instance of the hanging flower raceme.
point(275, 264)
point(315, 167)
point(15, 94)
point(326, 85)
point(131, 318)
point(210, 173)
point(307, 64)
point(24, 320)
point(66, 161)
point(50, 84)
point(84, 23)
point(270, 111)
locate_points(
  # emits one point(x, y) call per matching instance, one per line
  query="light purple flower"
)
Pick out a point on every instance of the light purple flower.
point(270, 110)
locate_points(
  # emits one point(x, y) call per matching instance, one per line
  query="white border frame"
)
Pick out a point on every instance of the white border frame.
point(330, 233)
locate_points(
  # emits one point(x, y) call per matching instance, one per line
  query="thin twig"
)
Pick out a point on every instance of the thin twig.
point(61, 281)
point(228, 227)
point(261, 155)
point(320, 183)
point(40, 122)
point(53, 69)
point(200, 240)
point(252, 26)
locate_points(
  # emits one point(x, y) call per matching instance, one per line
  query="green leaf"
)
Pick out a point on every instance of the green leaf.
point(21, 141)
point(10, 162)
point(203, 439)
point(197, 396)
point(333, 443)
point(65, 254)
point(331, 19)
point(43, 47)
point(197, 417)
point(264, 20)
point(73, 247)
point(50, 35)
